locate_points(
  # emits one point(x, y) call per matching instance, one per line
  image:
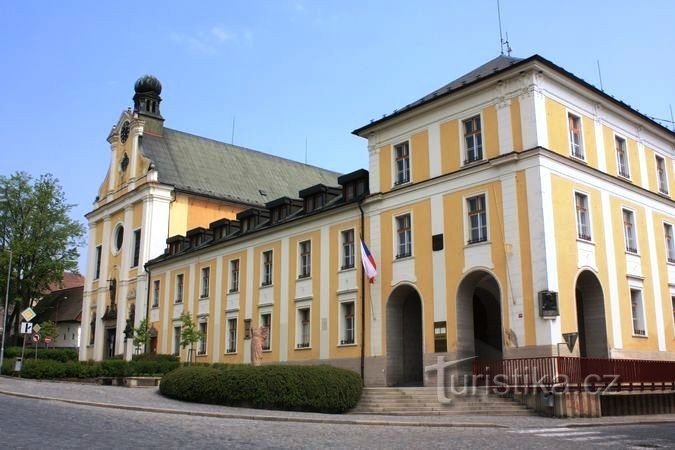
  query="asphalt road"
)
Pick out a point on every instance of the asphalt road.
point(39, 424)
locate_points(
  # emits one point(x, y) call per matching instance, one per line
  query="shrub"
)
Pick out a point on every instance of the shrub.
point(56, 354)
point(294, 388)
point(42, 368)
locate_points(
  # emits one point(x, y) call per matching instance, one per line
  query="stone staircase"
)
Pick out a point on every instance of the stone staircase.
point(420, 401)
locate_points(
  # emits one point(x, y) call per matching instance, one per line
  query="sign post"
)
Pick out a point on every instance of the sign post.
point(36, 339)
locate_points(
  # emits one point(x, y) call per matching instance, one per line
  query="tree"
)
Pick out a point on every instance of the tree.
point(36, 227)
point(189, 334)
point(142, 334)
point(48, 328)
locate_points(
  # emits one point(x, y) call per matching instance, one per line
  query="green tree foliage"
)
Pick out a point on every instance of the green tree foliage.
point(189, 334)
point(48, 328)
point(35, 225)
point(142, 334)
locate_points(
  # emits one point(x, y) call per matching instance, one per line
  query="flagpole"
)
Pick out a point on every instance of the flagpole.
point(363, 305)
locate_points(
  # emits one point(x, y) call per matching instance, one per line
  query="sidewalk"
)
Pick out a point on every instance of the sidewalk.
point(149, 399)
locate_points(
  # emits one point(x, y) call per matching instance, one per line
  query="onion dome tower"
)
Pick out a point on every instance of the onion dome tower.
point(146, 98)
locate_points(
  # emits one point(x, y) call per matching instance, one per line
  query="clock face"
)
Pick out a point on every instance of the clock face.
point(124, 132)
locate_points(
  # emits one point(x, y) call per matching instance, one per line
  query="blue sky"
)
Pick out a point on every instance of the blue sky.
point(290, 71)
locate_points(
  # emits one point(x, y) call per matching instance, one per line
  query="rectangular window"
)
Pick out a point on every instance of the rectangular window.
point(670, 245)
point(637, 309)
point(179, 288)
point(672, 301)
point(621, 157)
point(155, 293)
point(266, 322)
point(629, 231)
point(231, 335)
point(203, 329)
point(347, 313)
point(440, 337)
point(303, 328)
point(206, 272)
point(97, 270)
point(404, 236)
point(176, 340)
point(473, 140)
point(305, 259)
point(137, 248)
point(661, 174)
point(234, 275)
point(347, 249)
point(477, 219)
point(402, 154)
point(267, 268)
point(583, 220)
point(576, 141)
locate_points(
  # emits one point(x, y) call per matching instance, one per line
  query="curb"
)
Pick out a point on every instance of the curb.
point(262, 417)
point(619, 424)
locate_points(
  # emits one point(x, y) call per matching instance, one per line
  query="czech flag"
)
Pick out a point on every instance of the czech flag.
point(368, 262)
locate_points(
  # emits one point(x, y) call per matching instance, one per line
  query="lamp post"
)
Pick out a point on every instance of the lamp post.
point(4, 318)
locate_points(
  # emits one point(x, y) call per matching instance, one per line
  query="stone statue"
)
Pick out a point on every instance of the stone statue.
point(258, 336)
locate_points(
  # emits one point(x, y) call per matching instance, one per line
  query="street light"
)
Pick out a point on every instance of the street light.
point(4, 318)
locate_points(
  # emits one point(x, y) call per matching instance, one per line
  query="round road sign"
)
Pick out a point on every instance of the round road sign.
point(36, 338)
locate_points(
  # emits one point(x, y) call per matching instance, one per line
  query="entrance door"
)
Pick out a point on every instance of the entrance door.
point(109, 350)
point(591, 324)
point(404, 338)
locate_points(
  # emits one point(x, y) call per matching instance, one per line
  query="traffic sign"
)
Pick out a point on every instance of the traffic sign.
point(28, 314)
point(48, 339)
point(26, 328)
point(36, 328)
point(36, 338)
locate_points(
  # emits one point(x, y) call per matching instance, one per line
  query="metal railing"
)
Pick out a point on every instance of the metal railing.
point(571, 373)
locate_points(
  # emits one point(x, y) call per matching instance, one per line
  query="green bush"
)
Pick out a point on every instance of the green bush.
point(293, 388)
point(56, 354)
point(43, 368)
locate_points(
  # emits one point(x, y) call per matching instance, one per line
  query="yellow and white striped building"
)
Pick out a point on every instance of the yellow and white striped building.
point(514, 205)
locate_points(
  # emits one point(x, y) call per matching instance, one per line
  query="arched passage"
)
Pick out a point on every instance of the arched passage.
point(591, 324)
point(479, 317)
point(404, 338)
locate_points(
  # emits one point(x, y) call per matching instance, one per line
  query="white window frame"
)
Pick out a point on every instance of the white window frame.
point(397, 242)
point(408, 163)
point(234, 275)
point(661, 181)
point(113, 238)
point(632, 250)
point(304, 259)
point(267, 345)
point(181, 285)
point(625, 175)
point(467, 219)
point(177, 331)
point(342, 325)
point(670, 244)
point(205, 282)
point(582, 148)
point(641, 321)
point(266, 280)
point(589, 224)
point(202, 347)
point(344, 263)
point(134, 232)
point(228, 330)
point(462, 136)
point(300, 343)
point(155, 293)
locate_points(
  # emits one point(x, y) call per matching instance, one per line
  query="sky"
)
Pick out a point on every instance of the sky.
point(294, 76)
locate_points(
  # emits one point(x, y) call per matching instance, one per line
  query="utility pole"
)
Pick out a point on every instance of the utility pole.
point(4, 318)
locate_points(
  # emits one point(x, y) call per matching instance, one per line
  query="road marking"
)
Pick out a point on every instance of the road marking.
point(570, 435)
point(593, 438)
point(541, 430)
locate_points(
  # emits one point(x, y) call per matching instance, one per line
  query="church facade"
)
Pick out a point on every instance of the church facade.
point(510, 209)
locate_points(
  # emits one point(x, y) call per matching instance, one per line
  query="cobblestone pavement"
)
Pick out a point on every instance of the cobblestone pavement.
point(36, 424)
point(149, 398)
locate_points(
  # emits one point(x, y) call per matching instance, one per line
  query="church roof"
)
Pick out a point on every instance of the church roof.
point(207, 167)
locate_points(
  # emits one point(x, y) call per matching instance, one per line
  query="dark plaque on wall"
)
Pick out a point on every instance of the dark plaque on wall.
point(548, 304)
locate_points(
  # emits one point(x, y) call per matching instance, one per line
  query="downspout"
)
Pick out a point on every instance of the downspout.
point(363, 305)
point(147, 305)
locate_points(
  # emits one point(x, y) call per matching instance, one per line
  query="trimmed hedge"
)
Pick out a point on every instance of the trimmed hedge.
point(293, 388)
point(46, 368)
point(56, 354)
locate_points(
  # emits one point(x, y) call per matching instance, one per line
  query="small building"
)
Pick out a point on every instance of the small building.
point(64, 308)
